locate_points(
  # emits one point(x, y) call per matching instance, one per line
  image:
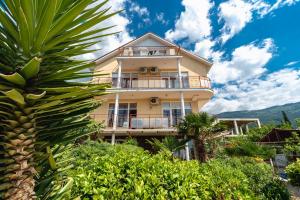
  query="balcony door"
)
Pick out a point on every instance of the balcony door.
point(128, 80)
point(126, 112)
point(170, 79)
point(172, 111)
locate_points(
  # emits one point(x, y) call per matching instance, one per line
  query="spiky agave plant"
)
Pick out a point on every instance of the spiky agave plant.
point(41, 104)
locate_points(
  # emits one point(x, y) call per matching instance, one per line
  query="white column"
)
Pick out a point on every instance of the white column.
point(236, 128)
point(241, 130)
point(247, 128)
point(116, 110)
point(258, 124)
point(179, 72)
point(187, 150)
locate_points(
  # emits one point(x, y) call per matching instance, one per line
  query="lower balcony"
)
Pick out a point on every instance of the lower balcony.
point(140, 125)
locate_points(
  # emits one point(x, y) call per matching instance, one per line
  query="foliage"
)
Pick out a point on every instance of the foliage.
point(256, 134)
point(243, 147)
point(285, 119)
point(292, 145)
point(200, 127)
point(293, 171)
point(169, 143)
point(42, 103)
point(276, 190)
point(257, 172)
point(132, 141)
point(129, 172)
point(297, 120)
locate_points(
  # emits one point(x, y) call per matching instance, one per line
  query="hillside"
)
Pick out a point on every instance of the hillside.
point(272, 114)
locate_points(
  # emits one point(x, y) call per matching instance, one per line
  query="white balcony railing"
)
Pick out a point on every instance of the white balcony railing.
point(158, 82)
point(139, 121)
point(151, 51)
point(149, 123)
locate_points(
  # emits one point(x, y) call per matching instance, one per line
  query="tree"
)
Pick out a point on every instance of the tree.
point(285, 120)
point(42, 103)
point(168, 144)
point(200, 127)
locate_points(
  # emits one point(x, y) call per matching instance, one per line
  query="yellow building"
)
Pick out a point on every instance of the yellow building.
point(154, 84)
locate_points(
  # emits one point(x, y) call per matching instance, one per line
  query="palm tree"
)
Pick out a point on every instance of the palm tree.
point(169, 143)
point(42, 103)
point(200, 127)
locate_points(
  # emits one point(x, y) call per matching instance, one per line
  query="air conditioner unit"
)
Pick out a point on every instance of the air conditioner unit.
point(154, 70)
point(143, 70)
point(154, 101)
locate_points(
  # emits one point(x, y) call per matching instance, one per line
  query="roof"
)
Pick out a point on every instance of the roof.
point(277, 135)
point(156, 37)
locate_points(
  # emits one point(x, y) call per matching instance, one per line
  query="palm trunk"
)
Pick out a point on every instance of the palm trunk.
point(196, 150)
point(19, 138)
point(201, 149)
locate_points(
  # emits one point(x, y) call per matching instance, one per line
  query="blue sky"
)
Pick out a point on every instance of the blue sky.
point(254, 44)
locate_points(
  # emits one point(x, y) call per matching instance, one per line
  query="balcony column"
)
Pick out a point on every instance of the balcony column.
point(236, 128)
point(247, 128)
point(187, 150)
point(116, 110)
point(258, 123)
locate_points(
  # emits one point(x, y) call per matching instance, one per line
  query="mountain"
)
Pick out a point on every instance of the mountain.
point(267, 115)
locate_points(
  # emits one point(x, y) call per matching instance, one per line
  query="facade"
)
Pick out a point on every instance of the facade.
point(154, 84)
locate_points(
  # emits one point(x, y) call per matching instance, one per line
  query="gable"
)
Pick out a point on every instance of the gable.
point(148, 42)
point(151, 39)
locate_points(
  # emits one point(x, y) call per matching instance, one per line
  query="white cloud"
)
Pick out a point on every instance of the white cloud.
point(161, 18)
point(204, 48)
point(111, 42)
point(292, 63)
point(193, 23)
point(141, 11)
point(281, 3)
point(235, 14)
point(246, 62)
point(276, 88)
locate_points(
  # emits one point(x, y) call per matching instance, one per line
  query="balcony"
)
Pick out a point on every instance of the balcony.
point(149, 51)
point(139, 121)
point(158, 82)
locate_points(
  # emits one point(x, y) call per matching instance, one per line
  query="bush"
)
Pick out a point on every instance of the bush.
point(256, 133)
point(258, 173)
point(124, 171)
point(244, 147)
point(276, 190)
point(293, 172)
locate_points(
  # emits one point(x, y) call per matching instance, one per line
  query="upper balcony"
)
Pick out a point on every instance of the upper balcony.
point(149, 51)
point(157, 82)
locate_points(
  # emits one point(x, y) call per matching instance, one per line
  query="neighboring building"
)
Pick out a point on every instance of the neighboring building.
point(154, 84)
point(239, 126)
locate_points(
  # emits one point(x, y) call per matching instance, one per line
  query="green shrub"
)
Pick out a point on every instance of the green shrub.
point(258, 173)
point(293, 171)
point(256, 133)
point(244, 147)
point(124, 171)
point(276, 190)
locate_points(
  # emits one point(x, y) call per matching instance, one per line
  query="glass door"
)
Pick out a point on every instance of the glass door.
point(126, 112)
point(185, 80)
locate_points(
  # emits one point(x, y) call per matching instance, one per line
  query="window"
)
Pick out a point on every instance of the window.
point(170, 79)
point(126, 111)
point(185, 79)
point(126, 79)
point(172, 111)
